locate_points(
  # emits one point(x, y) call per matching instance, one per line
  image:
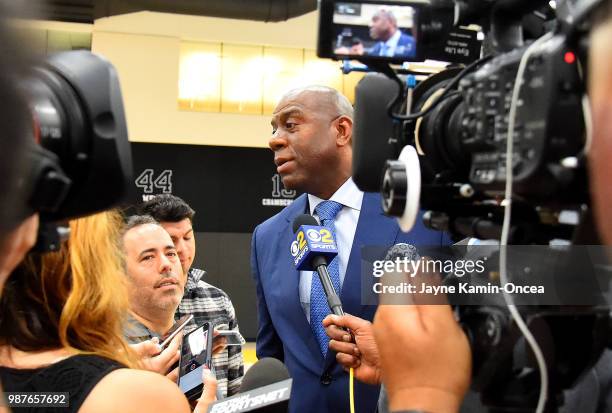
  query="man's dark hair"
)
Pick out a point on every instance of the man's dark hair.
point(166, 208)
point(138, 220)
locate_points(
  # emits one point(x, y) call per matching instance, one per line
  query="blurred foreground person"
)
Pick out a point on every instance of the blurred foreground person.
point(61, 318)
point(17, 232)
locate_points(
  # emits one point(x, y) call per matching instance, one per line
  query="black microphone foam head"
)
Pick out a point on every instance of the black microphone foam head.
point(266, 371)
point(372, 131)
point(303, 219)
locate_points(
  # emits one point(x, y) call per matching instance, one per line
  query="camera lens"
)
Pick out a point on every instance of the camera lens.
point(83, 162)
point(394, 188)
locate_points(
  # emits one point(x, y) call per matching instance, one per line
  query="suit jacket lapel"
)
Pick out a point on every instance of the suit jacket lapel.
point(373, 228)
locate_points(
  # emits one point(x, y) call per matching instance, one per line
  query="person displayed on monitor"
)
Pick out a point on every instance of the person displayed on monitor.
point(392, 42)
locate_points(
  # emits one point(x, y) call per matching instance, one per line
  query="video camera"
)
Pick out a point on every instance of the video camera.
point(79, 157)
point(458, 120)
point(505, 123)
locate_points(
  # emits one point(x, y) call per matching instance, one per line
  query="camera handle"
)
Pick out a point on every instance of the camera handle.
point(506, 17)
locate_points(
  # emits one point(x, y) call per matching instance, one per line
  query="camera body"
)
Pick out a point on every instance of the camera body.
point(438, 148)
point(458, 125)
point(462, 145)
point(471, 129)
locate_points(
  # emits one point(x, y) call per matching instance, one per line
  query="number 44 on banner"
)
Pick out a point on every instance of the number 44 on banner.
point(147, 183)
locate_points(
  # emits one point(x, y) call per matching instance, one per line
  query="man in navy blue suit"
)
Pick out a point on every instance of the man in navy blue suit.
point(392, 42)
point(311, 140)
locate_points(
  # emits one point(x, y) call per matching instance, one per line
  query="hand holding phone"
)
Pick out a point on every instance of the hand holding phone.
point(196, 352)
point(175, 329)
point(209, 394)
point(230, 337)
point(146, 349)
point(152, 359)
point(223, 335)
point(219, 343)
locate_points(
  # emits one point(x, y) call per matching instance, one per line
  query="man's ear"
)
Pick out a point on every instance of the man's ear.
point(344, 131)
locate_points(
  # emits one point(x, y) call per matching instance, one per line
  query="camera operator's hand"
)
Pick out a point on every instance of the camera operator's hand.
point(424, 353)
point(425, 357)
point(362, 355)
point(16, 245)
point(160, 362)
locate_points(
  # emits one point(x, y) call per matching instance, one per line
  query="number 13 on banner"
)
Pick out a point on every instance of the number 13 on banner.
point(147, 183)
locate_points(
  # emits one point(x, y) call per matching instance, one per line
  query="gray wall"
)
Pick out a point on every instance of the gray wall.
point(226, 258)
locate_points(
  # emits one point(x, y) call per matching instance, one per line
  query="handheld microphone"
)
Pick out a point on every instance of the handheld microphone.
point(265, 388)
point(313, 248)
point(267, 370)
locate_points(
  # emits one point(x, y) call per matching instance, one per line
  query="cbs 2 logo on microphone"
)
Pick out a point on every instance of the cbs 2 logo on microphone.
point(315, 237)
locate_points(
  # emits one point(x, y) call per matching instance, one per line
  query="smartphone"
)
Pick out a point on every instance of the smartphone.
point(196, 352)
point(232, 337)
point(174, 330)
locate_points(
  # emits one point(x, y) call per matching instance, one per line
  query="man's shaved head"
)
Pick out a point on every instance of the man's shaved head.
point(328, 99)
point(383, 25)
point(311, 140)
point(387, 14)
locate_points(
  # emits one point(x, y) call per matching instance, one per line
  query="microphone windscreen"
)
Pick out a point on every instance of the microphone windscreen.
point(373, 131)
point(402, 251)
point(303, 219)
point(266, 371)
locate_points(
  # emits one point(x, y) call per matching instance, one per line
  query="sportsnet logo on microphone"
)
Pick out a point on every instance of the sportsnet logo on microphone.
point(309, 241)
point(274, 396)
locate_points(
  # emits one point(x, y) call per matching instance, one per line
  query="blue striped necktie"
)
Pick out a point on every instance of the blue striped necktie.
point(319, 309)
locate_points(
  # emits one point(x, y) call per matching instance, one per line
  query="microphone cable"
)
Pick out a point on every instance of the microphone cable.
point(352, 389)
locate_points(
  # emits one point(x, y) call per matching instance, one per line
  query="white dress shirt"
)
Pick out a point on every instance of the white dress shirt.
point(345, 225)
point(391, 44)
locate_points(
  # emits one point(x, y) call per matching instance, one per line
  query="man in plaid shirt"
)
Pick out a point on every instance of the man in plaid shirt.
point(207, 303)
